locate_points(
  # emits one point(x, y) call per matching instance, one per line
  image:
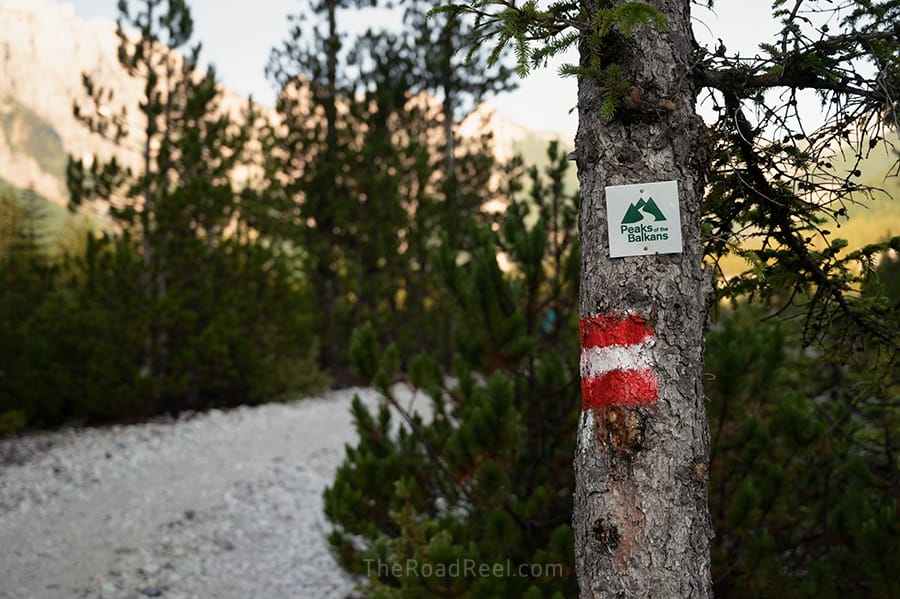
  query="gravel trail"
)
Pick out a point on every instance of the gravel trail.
point(223, 504)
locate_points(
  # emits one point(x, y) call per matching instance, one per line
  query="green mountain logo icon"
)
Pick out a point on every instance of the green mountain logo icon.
point(637, 212)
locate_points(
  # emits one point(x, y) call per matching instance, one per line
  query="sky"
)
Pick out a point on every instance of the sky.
point(238, 35)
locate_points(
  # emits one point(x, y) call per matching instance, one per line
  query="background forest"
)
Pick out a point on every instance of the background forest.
point(355, 236)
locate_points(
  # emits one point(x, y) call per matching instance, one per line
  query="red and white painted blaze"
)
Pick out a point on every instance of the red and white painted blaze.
point(616, 365)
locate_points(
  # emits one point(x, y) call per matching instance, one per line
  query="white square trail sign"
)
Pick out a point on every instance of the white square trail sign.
point(643, 219)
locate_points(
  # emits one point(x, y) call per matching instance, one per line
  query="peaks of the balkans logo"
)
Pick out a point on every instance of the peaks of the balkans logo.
point(638, 212)
point(643, 219)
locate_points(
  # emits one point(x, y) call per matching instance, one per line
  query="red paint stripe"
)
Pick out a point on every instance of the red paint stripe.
point(619, 387)
point(613, 329)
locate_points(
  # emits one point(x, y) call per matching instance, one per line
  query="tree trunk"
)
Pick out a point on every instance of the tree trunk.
point(641, 519)
point(327, 276)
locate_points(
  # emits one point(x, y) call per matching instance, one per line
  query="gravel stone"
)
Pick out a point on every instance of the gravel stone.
point(223, 504)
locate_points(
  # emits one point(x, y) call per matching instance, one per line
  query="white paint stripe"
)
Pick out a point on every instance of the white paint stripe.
point(596, 361)
point(585, 433)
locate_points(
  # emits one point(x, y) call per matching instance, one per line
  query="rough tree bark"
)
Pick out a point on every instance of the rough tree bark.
point(641, 519)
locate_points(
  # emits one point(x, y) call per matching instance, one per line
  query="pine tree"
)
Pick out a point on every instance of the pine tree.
point(359, 167)
point(26, 277)
point(459, 82)
point(481, 483)
point(641, 521)
point(309, 159)
point(803, 481)
point(139, 200)
point(223, 315)
point(431, 181)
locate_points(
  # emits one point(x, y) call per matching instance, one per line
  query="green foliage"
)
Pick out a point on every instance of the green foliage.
point(186, 306)
point(780, 189)
point(76, 333)
point(19, 225)
point(359, 139)
point(57, 229)
point(326, 166)
point(483, 483)
point(803, 413)
point(529, 24)
point(804, 478)
point(614, 89)
point(12, 421)
point(77, 355)
point(25, 280)
point(777, 189)
point(537, 34)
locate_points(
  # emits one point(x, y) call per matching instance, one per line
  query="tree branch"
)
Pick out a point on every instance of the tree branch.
point(781, 218)
point(742, 79)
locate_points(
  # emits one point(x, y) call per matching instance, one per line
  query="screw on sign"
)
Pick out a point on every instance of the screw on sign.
point(616, 361)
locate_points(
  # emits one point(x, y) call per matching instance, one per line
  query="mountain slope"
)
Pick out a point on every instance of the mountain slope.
point(45, 50)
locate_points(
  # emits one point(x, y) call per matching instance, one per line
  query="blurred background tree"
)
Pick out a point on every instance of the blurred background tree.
point(481, 474)
point(362, 131)
point(178, 304)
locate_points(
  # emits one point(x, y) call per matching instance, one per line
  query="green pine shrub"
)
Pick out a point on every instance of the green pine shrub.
point(475, 499)
point(76, 329)
point(804, 476)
